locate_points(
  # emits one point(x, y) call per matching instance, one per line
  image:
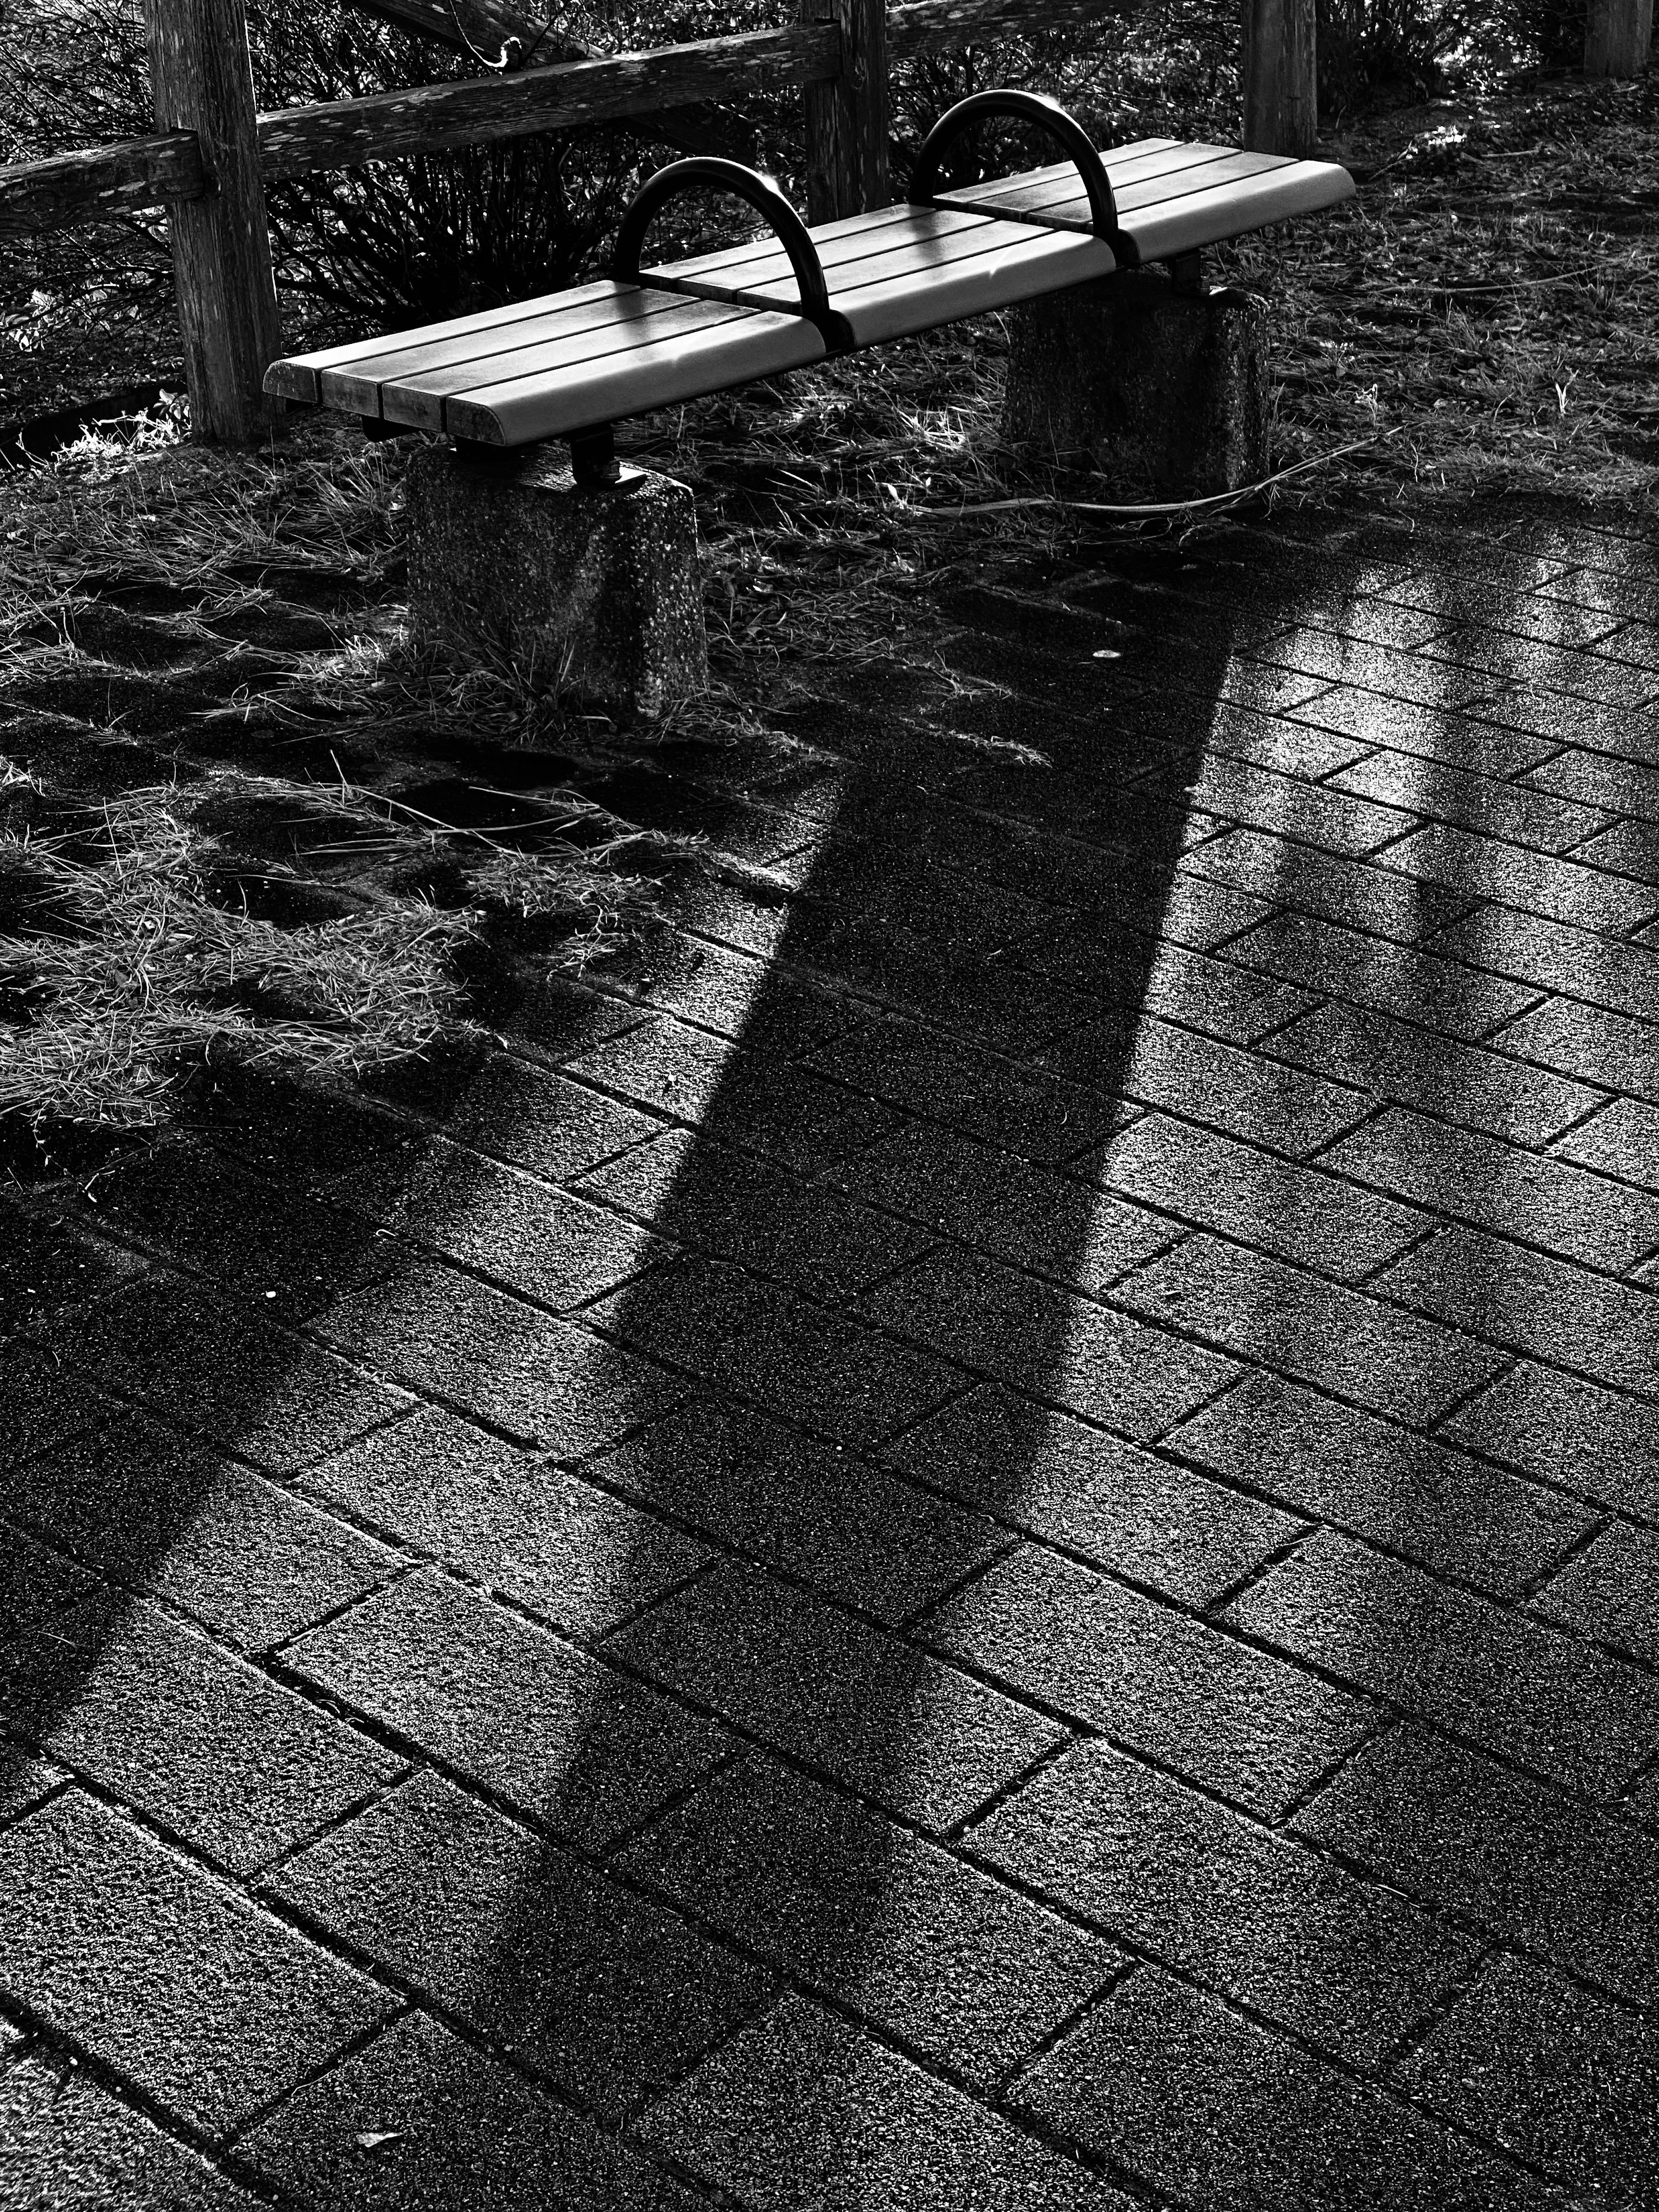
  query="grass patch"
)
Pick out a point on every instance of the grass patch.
point(133, 978)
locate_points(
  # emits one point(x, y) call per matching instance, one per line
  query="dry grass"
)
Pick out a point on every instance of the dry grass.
point(132, 977)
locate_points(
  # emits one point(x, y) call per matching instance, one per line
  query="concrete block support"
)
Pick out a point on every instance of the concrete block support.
point(597, 591)
point(1160, 388)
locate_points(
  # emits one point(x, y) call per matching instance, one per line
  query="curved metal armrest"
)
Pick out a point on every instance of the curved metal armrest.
point(1050, 118)
point(711, 171)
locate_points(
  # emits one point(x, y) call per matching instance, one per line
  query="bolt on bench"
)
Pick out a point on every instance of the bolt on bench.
point(590, 572)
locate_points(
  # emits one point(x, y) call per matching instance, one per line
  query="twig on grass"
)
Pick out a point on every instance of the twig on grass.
point(1159, 507)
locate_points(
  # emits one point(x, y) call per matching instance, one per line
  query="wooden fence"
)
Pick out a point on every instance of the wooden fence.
point(212, 156)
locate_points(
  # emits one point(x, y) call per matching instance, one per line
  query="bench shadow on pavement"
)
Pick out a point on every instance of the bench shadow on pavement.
point(807, 1845)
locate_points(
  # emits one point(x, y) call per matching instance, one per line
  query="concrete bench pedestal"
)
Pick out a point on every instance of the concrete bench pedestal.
point(595, 591)
point(1157, 387)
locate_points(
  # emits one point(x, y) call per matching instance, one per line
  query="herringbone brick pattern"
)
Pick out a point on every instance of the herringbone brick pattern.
point(990, 1544)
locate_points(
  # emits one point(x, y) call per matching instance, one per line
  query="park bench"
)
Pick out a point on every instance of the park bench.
point(570, 365)
point(508, 546)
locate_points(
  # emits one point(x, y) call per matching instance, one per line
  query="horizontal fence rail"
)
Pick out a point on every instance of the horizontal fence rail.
point(294, 142)
point(105, 180)
point(343, 133)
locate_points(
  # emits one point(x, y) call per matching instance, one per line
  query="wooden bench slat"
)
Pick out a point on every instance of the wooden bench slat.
point(762, 260)
point(918, 241)
point(1205, 218)
point(311, 365)
point(616, 319)
point(1024, 263)
point(415, 397)
point(527, 408)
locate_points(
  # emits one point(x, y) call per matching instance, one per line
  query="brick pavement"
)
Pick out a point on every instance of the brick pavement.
point(992, 1543)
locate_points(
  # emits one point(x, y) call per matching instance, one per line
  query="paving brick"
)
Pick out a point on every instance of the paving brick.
point(1624, 1140)
point(1619, 786)
point(1338, 1340)
point(1260, 1100)
point(737, 1208)
point(1434, 734)
point(804, 2110)
point(1371, 971)
point(1603, 1445)
point(968, 1088)
point(244, 1557)
point(1451, 1513)
point(1288, 743)
point(1152, 976)
point(248, 1388)
point(1134, 1514)
point(1587, 1041)
point(310, 1137)
point(1224, 2114)
point(1550, 957)
point(511, 1227)
point(1476, 802)
point(1632, 848)
point(71, 2145)
point(507, 1519)
point(1087, 1358)
point(731, 991)
point(1475, 1669)
point(1030, 1217)
point(25, 1778)
point(552, 1019)
point(610, 1996)
point(1394, 674)
point(47, 1263)
point(207, 1747)
point(1250, 1726)
point(1626, 733)
point(823, 1516)
point(41, 1404)
point(1567, 2081)
point(932, 1951)
point(1299, 1212)
point(449, 2127)
point(571, 1742)
point(1245, 796)
point(1347, 1965)
point(1532, 615)
point(1611, 1591)
point(1533, 666)
point(791, 1357)
point(1354, 893)
point(1548, 1308)
point(1514, 876)
point(736, 1096)
point(1479, 1180)
point(892, 1721)
point(1420, 1066)
point(207, 1214)
point(553, 1384)
point(1577, 1885)
point(205, 2003)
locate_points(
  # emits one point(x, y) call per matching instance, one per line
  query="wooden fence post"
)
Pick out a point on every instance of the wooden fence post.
point(1618, 35)
point(847, 116)
point(1281, 85)
point(201, 81)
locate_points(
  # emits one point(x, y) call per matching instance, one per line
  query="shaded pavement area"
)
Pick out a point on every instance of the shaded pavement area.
point(988, 1543)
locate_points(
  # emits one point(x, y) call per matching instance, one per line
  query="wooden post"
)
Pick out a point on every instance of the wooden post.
point(847, 116)
point(201, 81)
point(1281, 87)
point(1618, 35)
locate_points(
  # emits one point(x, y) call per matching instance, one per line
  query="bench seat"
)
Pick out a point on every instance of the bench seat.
point(1174, 197)
point(575, 361)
